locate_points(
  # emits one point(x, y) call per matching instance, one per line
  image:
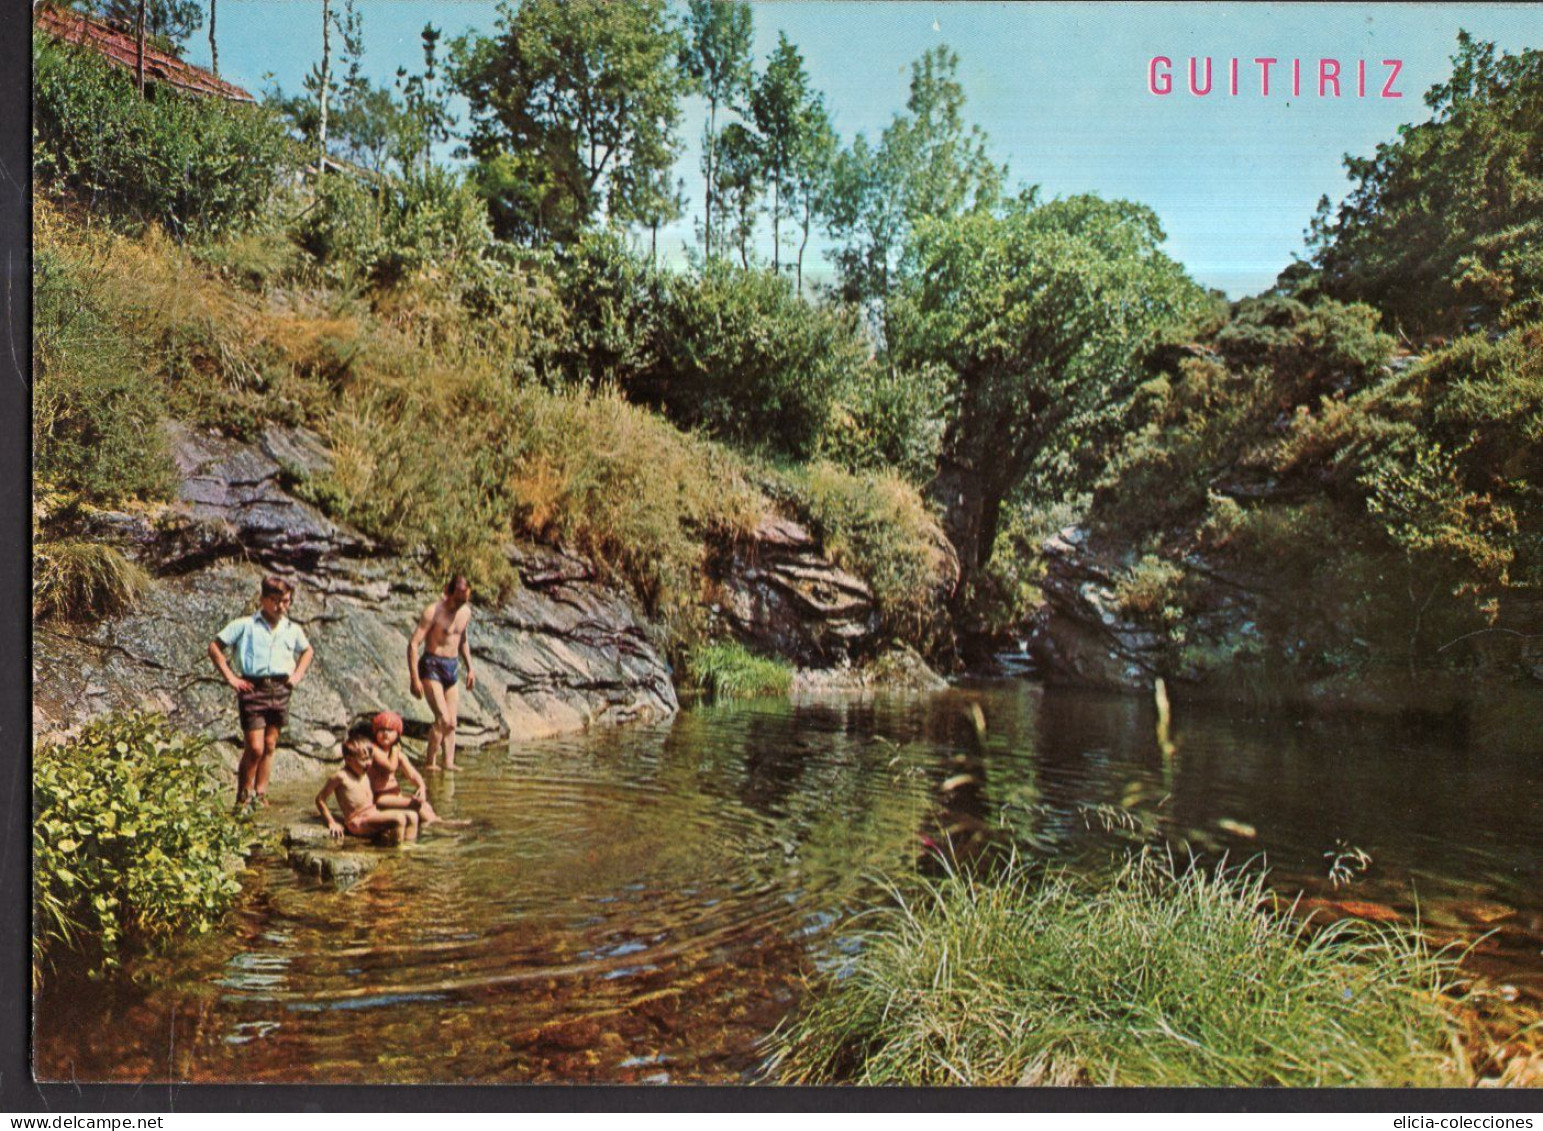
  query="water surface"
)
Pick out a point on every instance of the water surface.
point(646, 904)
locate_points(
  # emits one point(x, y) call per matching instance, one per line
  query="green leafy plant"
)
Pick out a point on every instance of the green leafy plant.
point(130, 840)
point(190, 164)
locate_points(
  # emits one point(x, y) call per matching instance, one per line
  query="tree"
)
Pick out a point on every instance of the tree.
point(810, 181)
point(425, 118)
point(739, 185)
point(170, 21)
point(1040, 317)
point(574, 105)
point(779, 107)
point(927, 165)
point(1443, 226)
point(716, 60)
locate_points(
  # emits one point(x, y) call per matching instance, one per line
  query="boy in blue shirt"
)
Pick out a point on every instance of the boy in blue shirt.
point(272, 655)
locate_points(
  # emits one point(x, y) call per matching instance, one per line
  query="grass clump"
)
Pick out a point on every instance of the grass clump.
point(727, 668)
point(76, 580)
point(129, 840)
point(1159, 977)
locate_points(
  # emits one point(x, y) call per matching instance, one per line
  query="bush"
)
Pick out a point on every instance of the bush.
point(77, 580)
point(1157, 978)
point(191, 164)
point(884, 418)
point(129, 840)
point(726, 668)
point(736, 353)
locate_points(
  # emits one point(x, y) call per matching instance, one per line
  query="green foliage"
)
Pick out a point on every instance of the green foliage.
point(794, 139)
point(129, 840)
point(386, 233)
point(742, 355)
point(190, 164)
point(574, 106)
point(78, 580)
point(1441, 230)
point(877, 526)
point(1042, 317)
point(887, 419)
point(1022, 979)
point(164, 19)
point(926, 166)
point(715, 59)
point(736, 353)
point(94, 418)
point(727, 669)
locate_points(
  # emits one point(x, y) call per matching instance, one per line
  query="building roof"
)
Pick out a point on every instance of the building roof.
point(121, 47)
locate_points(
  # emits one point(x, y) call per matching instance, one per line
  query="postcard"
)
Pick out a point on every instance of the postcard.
point(689, 542)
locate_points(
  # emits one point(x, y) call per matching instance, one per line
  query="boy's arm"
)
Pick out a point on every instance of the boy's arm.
point(419, 634)
point(333, 828)
point(222, 665)
point(471, 680)
point(301, 665)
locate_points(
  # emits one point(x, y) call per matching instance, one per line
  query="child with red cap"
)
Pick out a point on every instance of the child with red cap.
point(386, 760)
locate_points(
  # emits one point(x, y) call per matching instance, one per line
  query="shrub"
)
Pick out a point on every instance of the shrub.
point(129, 840)
point(79, 580)
point(886, 418)
point(191, 164)
point(726, 668)
point(1159, 977)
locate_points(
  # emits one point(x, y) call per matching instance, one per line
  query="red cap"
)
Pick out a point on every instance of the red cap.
point(387, 720)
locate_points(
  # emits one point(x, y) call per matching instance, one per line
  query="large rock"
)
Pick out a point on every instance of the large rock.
point(565, 652)
point(781, 595)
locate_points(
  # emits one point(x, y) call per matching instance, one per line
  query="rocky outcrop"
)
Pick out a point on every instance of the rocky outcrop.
point(1082, 636)
point(311, 851)
point(781, 595)
point(565, 652)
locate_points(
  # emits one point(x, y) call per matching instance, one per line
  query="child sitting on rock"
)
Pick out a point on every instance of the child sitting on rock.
point(386, 761)
point(356, 798)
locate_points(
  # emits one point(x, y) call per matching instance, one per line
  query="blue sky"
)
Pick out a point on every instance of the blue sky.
point(1061, 89)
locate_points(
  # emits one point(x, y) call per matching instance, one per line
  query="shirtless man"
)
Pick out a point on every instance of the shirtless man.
point(357, 800)
point(442, 633)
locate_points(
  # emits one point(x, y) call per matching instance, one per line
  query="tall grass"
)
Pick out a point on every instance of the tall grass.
point(1158, 977)
point(728, 669)
point(74, 579)
point(877, 525)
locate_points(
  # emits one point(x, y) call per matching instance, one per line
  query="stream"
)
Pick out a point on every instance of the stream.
point(645, 904)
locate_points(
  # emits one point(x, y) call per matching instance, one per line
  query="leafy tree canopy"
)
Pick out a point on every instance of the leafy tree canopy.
point(928, 165)
point(574, 106)
point(1444, 227)
point(1040, 316)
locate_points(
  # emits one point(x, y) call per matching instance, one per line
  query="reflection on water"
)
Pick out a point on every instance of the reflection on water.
point(643, 904)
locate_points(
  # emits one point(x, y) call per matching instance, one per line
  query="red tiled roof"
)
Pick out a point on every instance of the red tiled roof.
point(121, 48)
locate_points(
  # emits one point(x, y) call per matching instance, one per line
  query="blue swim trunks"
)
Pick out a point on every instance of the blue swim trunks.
point(439, 669)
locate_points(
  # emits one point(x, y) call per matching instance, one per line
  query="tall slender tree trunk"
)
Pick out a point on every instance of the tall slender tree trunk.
point(326, 81)
point(776, 218)
point(808, 219)
point(139, 36)
point(712, 144)
point(214, 48)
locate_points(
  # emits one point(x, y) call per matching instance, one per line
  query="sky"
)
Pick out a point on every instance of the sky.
point(1062, 91)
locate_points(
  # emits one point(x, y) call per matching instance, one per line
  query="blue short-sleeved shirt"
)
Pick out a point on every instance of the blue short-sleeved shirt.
point(261, 650)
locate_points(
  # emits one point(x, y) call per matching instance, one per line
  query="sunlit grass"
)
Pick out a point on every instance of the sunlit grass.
point(74, 579)
point(728, 669)
point(1160, 976)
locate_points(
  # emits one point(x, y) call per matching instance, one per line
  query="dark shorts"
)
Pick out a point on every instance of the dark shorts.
point(266, 705)
point(439, 669)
